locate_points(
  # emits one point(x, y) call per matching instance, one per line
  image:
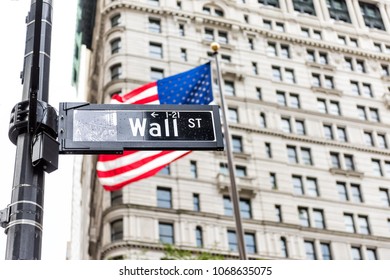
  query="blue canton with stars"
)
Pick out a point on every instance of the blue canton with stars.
point(190, 87)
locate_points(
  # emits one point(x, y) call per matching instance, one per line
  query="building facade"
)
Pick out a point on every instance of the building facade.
point(307, 84)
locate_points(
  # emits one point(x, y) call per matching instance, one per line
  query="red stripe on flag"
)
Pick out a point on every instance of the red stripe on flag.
point(131, 166)
point(146, 100)
point(137, 91)
point(134, 166)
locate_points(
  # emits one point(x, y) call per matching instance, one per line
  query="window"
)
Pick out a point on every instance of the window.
point(363, 224)
point(361, 113)
point(328, 107)
point(300, 127)
point(319, 221)
point(263, 122)
point(325, 251)
point(322, 81)
point(271, 49)
point(268, 150)
point(227, 205)
point(284, 51)
point(374, 115)
point(360, 68)
point(283, 247)
point(368, 139)
point(371, 254)
point(381, 139)
point(166, 170)
point(156, 74)
point(183, 54)
point(166, 233)
point(222, 37)
point(304, 216)
point(251, 44)
point(304, 6)
point(311, 33)
point(349, 164)
point(209, 34)
point(276, 73)
point(273, 3)
point(349, 223)
point(164, 198)
point(376, 167)
point(286, 125)
point(334, 108)
point(196, 202)
point(342, 134)
point(116, 230)
point(341, 40)
point(199, 237)
point(310, 250)
point(250, 243)
point(338, 10)
point(356, 195)
point(356, 253)
point(273, 181)
point(335, 159)
point(181, 30)
point(245, 207)
point(370, 114)
point(328, 132)
point(115, 45)
point(343, 161)
point(240, 171)
point(291, 99)
point(298, 185)
point(278, 213)
point(229, 88)
point(154, 2)
point(116, 197)
point(372, 16)
point(292, 154)
point(384, 197)
point(306, 156)
point(232, 241)
point(321, 105)
point(254, 68)
point(115, 20)
point(116, 71)
point(155, 50)
point(342, 191)
point(193, 169)
point(213, 11)
point(154, 25)
point(237, 144)
point(249, 239)
point(311, 186)
point(281, 74)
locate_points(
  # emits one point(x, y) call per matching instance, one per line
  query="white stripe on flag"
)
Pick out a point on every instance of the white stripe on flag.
point(160, 161)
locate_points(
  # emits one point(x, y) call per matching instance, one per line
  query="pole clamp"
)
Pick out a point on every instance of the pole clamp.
point(4, 217)
point(46, 118)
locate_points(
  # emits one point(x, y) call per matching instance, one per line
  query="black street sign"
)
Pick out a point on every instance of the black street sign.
point(112, 128)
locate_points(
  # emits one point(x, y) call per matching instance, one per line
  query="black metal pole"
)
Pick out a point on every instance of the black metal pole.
point(23, 224)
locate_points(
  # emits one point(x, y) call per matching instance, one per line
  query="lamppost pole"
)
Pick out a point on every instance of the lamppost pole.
point(32, 129)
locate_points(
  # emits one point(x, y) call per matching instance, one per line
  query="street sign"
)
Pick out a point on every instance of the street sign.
point(112, 128)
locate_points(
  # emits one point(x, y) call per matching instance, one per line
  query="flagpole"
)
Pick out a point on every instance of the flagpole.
point(233, 189)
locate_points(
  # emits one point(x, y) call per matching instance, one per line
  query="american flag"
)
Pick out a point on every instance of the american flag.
point(190, 87)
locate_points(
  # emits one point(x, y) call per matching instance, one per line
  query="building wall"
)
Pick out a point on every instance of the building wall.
point(139, 210)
